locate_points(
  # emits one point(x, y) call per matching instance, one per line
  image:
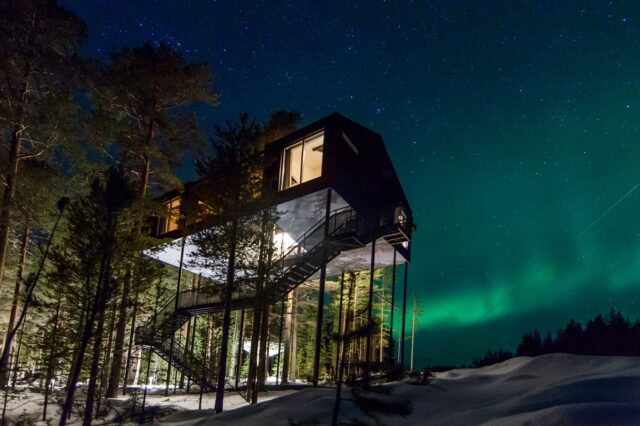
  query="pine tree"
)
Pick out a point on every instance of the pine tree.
point(138, 99)
point(570, 340)
point(37, 110)
point(35, 209)
point(230, 246)
point(548, 345)
point(31, 283)
point(531, 344)
point(97, 243)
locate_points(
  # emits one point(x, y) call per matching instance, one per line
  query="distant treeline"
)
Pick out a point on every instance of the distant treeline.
point(610, 334)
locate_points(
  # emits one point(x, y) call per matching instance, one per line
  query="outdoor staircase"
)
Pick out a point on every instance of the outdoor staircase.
point(345, 230)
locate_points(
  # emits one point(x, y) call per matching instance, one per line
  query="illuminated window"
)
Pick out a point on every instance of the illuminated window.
point(303, 161)
point(170, 222)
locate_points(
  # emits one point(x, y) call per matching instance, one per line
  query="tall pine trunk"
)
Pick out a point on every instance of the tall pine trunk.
point(116, 362)
point(97, 309)
point(4, 358)
point(51, 360)
point(287, 339)
point(107, 356)
point(226, 319)
point(265, 265)
point(11, 176)
point(76, 367)
point(93, 372)
point(186, 352)
point(125, 381)
point(253, 356)
point(263, 353)
point(116, 366)
point(24, 241)
point(343, 347)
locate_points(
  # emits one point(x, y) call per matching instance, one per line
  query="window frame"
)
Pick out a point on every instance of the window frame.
point(169, 219)
point(283, 158)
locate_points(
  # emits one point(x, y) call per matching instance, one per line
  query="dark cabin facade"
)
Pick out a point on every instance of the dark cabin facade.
point(342, 209)
point(355, 164)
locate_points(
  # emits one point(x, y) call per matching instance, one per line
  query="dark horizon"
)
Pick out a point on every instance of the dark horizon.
point(512, 127)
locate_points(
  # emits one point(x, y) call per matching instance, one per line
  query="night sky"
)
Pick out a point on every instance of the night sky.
point(513, 127)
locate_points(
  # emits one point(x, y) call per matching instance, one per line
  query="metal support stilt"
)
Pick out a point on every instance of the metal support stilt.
point(340, 334)
point(323, 276)
point(404, 311)
point(370, 306)
point(280, 341)
point(393, 307)
point(170, 360)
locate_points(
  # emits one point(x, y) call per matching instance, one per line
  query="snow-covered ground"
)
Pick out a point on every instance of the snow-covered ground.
point(555, 389)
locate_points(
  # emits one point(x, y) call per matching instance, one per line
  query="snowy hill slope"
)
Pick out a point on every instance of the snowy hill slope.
point(554, 389)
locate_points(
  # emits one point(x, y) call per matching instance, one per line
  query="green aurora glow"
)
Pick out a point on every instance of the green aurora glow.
point(513, 126)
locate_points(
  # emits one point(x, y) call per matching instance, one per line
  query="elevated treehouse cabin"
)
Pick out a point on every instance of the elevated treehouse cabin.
point(341, 209)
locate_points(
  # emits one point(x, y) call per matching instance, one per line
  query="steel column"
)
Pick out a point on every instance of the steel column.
point(323, 276)
point(404, 310)
point(393, 307)
point(170, 360)
point(370, 305)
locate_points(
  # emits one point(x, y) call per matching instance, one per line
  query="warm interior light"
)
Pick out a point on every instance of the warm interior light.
point(303, 161)
point(170, 222)
point(282, 242)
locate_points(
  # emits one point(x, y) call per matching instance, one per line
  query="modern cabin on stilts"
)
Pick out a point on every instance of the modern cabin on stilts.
point(342, 219)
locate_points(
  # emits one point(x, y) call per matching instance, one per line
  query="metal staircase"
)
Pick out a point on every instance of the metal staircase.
point(344, 230)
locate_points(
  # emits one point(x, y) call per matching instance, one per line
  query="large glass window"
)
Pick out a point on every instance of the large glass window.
point(303, 161)
point(170, 222)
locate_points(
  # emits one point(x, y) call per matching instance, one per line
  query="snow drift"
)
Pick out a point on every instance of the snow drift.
point(554, 389)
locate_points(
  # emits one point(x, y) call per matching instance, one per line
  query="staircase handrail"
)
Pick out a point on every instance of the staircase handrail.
point(193, 297)
point(333, 215)
point(344, 219)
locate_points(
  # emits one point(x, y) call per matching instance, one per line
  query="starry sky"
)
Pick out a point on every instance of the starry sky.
point(513, 126)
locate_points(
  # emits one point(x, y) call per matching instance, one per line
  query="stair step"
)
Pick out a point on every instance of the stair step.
point(299, 268)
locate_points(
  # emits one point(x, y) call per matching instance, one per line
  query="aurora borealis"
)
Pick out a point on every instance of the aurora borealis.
point(513, 126)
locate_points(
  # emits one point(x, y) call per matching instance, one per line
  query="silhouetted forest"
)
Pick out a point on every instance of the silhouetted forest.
point(610, 334)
